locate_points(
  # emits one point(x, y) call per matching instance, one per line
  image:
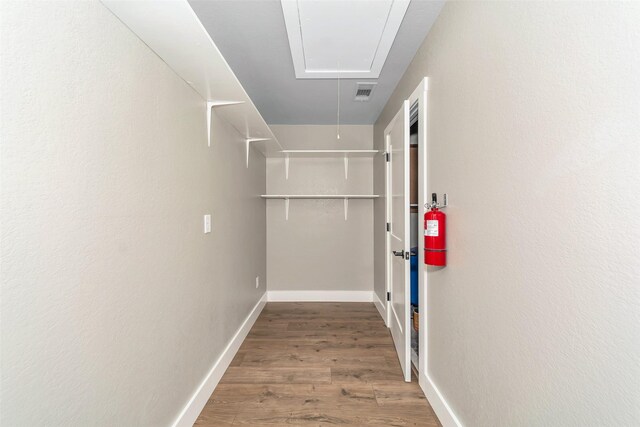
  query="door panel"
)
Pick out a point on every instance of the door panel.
point(397, 133)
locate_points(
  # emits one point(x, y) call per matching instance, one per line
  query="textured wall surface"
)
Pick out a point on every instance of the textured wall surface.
point(316, 249)
point(534, 123)
point(115, 305)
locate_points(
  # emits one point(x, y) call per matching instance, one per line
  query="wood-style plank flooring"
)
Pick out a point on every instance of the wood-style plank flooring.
point(317, 364)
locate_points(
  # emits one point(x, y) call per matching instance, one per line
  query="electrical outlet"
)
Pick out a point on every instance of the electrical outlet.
point(207, 223)
point(257, 282)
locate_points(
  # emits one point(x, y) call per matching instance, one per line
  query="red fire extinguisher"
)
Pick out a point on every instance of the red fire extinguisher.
point(435, 246)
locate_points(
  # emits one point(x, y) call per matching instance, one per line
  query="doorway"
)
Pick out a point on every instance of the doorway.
point(406, 285)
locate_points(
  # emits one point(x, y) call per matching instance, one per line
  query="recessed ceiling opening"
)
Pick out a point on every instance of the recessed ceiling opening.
point(349, 38)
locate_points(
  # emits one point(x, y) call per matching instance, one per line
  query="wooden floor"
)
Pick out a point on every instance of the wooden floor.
point(317, 364)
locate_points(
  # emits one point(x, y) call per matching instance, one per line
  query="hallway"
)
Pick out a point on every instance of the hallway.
point(319, 213)
point(317, 364)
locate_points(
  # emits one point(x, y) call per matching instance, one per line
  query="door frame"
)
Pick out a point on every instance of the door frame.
point(419, 95)
point(387, 234)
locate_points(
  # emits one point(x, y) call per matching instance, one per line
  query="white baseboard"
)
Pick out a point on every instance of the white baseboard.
point(382, 307)
point(320, 296)
point(438, 403)
point(192, 410)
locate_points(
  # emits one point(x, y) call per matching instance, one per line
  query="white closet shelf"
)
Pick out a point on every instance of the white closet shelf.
point(344, 197)
point(345, 155)
point(325, 153)
point(319, 196)
point(173, 31)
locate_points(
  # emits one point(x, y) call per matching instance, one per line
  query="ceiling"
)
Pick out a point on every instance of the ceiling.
point(291, 75)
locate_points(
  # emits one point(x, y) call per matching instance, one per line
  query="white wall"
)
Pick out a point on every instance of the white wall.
point(533, 128)
point(115, 305)
point(316, 249)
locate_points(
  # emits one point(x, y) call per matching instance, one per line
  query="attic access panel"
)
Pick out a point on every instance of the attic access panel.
point(349, 38)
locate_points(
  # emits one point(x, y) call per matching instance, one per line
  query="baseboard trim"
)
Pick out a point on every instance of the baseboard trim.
point(440, 406)
point(192, 410)
point(382, 307)
point(320, 296)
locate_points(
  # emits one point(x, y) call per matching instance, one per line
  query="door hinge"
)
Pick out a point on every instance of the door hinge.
point(388, 296)
point(388, 226)
point(387, 157)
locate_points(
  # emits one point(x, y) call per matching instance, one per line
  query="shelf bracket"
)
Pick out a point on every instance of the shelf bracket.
point(210, 106)
point(346, 166)
point(286, 166)
point(346, 208)
point(286, 209)
point(248, 142)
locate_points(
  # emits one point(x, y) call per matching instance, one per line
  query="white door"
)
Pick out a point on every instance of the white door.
point(397, 135)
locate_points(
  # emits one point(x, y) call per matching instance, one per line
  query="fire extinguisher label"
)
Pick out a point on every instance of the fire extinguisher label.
point(432, 228)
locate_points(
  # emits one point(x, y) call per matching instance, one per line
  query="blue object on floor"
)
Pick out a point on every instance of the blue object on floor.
point(414, 276)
